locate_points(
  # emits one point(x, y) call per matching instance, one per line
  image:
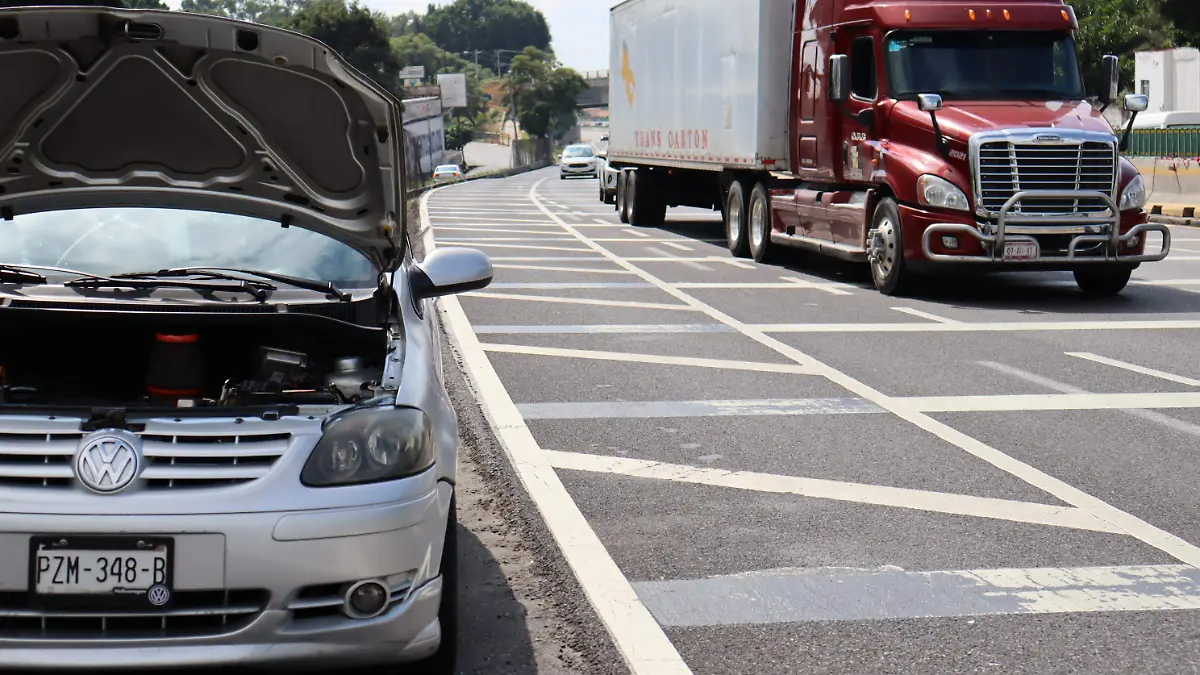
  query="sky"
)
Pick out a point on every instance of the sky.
point(579, 28)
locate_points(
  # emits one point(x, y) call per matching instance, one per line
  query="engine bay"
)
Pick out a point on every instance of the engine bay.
point(69, 359)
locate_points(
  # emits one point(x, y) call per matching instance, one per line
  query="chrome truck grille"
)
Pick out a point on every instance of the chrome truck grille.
point(31, 459)
point(1049, 161)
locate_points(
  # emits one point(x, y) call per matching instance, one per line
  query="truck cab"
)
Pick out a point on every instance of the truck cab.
point(936, 134)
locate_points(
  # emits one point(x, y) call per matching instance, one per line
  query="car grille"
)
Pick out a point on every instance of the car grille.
point(173, 461)
point(1007, 168)
point(192, 614)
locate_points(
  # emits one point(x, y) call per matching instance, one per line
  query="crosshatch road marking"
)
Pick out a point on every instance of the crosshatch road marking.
point(591, 410)
point(788, 368)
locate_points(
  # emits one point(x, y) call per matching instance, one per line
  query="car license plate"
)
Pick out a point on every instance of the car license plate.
point(107, 571)
point(1020, 250)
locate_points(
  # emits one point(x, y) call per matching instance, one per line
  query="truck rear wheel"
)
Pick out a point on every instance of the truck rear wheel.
point(1103, 281)
point(761, 247)
point(885, 250)
point(646, 206)
point(735, 221)
point(622, 201)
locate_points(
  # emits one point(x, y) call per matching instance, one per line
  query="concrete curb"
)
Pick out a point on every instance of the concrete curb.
point(1185, 211)
point(1175, 220)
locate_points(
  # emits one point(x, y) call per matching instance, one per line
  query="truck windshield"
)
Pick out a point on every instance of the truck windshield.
point(984, 65)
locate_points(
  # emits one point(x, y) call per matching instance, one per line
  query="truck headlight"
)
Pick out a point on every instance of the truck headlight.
point(371, 446)
point(1134, 196)
point(940, 193)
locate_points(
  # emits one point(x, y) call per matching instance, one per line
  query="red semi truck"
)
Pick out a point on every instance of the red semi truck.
point(917, 137)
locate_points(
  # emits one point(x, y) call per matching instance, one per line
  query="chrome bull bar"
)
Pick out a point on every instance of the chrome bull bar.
point(1113, 239)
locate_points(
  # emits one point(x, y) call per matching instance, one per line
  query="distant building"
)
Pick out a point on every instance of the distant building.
point(425, 132)
point(1171, 79)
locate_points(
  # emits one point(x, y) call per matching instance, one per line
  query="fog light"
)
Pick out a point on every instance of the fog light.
point(367, 600)
point(1133, 241)
point(950, 242)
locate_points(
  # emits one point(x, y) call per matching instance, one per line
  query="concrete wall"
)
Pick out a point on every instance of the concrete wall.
point(1171, 181)
point(1170, 78)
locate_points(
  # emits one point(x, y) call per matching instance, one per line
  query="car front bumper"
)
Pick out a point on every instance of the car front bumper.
point(575, 170)
point(261, 589)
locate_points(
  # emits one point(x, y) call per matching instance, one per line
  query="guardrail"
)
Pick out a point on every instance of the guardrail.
point(1164, 143)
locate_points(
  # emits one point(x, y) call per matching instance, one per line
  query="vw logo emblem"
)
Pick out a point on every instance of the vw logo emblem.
point(158, 595)
point(109, 462)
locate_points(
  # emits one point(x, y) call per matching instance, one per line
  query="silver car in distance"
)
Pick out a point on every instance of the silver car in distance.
point(224, 433)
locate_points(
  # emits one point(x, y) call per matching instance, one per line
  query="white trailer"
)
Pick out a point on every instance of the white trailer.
point(701, 84)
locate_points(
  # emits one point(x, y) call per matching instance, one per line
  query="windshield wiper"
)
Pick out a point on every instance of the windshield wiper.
point(259, 290)
point(325, 287)
point(15, 274)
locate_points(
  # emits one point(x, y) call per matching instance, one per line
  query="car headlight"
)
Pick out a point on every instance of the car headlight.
point(371, 446)
point(1134, 196)
point(940, 193)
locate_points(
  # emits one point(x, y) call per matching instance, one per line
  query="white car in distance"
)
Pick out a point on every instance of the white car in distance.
point(578, 160)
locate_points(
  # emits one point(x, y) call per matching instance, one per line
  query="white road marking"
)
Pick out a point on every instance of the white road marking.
point(677, 246)
point(580, 301)
point(1162, 375)
point(1149, 415)
point(1042, 402)
point(483, 220)
point(789, 368)
point(690, 262)
point(541, 268)
point(879, 495)
point(498, 230)
point(737, 263)
point(455, 210)
point(630, 230)
point(1126, 522)
point(478, 244)
point(750, 284)
point(641, 641)
point(459, 240)
point(589, 258)
point(925, 315)
point(982, 327)
point(834, 288)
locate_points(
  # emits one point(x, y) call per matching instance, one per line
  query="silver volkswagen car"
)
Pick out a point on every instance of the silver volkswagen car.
point(224, 434)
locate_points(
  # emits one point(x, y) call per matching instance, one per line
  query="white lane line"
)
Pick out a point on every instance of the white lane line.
point(690, 262)
point(728, 285)
point(1043, 402)
point(603, 223)
point(459, 240)
point(925, 315)
point(580, 301)
point(737, 263)
point(567, 285)
point(834, 288)
point(634, 232)
point(1149, 415)
point(478, 244)
point(483, 220)
point(1011, 326)
point(841, 594)
point(456, 210)
point(649, 359)
point(879, 495)
point(1185, 250)
point(1126, 522)
point(674, 245)
point(498, 230)
point(640, 639)
point(547, 268)
point(589, 258)
point(1162, 375)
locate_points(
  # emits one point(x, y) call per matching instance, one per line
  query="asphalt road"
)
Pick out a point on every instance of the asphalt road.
point(775, 469)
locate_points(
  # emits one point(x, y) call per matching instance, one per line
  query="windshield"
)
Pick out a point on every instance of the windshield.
point(578, 151)
point(108, 241)
point(980, 65)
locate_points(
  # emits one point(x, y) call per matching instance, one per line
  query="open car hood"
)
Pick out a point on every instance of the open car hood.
point(110, 107)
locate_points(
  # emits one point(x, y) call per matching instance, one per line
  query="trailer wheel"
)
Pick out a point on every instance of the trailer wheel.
point(735, 221)
point(647, 208)
point(761, 247)
point(886, 250)
point(1103, 281)
point(622, 196)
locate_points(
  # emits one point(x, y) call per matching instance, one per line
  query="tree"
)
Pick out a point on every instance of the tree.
point(353, 31)
point(545, 92)
point(1119, 27)
point(146, 4)
point(487, 25)
point(419, 49)
point(408, 23)
point(1183, 14)
point(270, 12)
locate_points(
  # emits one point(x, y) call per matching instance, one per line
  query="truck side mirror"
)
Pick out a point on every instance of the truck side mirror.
point(929, 103)
point(1110, 80)
point(839, 78)
point(932, 103)
point(1136, 103)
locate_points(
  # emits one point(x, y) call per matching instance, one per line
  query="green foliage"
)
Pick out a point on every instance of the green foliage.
point(271, 12)
point(1119, 27)
point(546, 92)
point(487, 25)
point(419, 49)
point(146, 4)
point(353, 31)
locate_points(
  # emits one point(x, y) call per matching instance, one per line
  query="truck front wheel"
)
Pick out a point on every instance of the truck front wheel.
point(1103, 281)
point(885, 250)
point(735, 221)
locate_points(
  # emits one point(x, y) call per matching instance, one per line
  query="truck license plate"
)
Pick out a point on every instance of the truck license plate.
point(110, 571)
point(1020, 250)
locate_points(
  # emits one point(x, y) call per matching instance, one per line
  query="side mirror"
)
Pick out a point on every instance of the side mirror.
point(1110, 80)
point(929, 103)
point(447, 271)
point(839, 78)
point(1136, 103)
